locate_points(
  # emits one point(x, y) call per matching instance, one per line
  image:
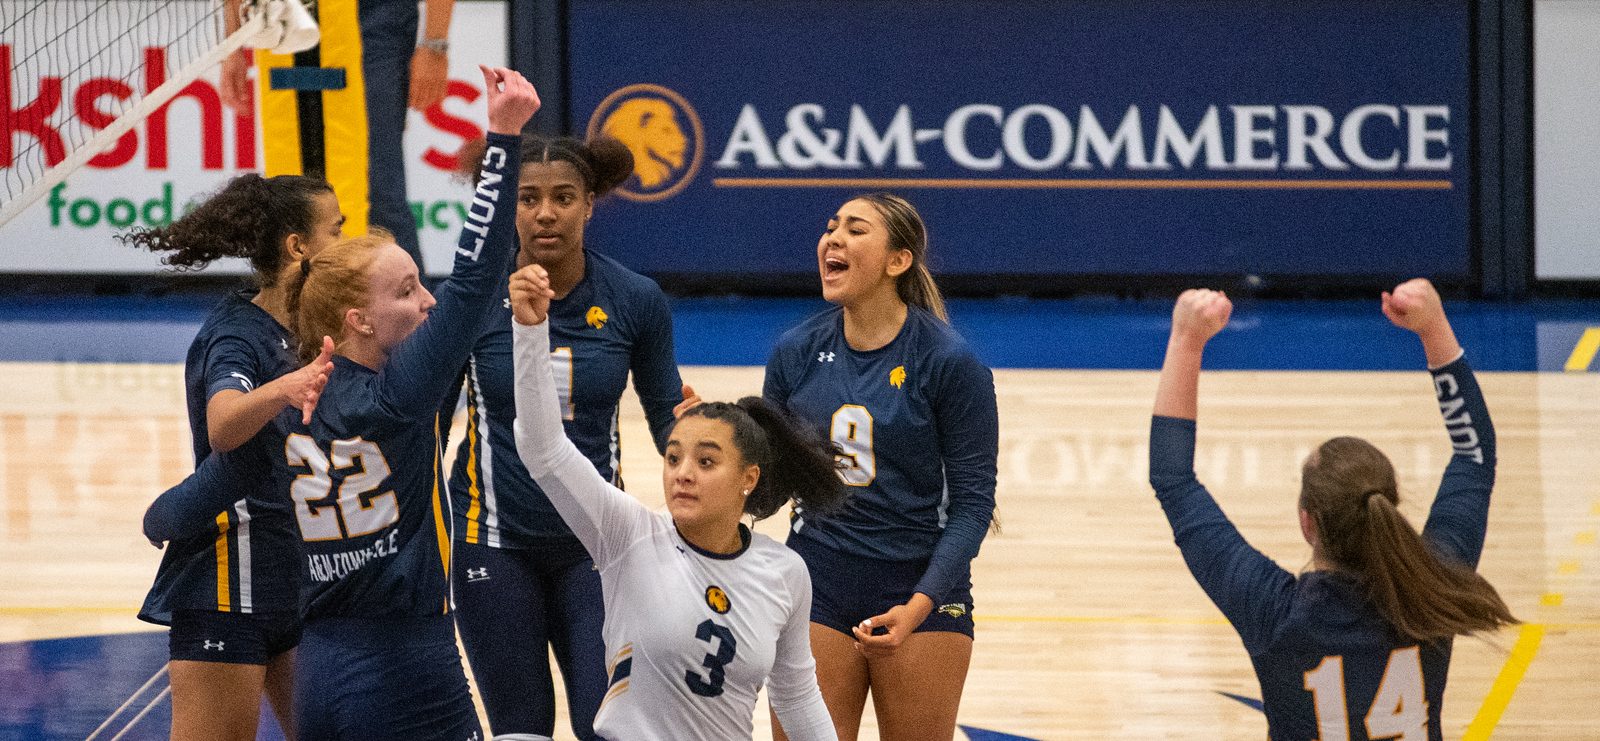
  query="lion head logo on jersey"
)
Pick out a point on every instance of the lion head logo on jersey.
point(897, 377)
point(596, 317)
point(718, 600)
point(662, 131)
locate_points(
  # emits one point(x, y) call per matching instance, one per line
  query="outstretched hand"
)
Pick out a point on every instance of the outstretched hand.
point(306, 384)
point(512, 99)
point(531, 295)
point(690, 401)
point(1199, 314)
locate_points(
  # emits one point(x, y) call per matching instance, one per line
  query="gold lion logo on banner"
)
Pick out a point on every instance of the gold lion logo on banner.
point(662, 131)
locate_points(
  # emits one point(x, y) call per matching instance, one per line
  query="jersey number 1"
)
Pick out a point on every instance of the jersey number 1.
point(561, 370)
point(353, 512)
point(1399, 711)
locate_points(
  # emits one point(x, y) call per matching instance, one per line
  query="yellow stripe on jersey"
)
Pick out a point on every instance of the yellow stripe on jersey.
point(440, 527)
point(474, 492)
point(616, 689)
point(224, 597)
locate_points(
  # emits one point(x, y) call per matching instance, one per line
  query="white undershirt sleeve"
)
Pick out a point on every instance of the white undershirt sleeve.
point(604, 518)
point(792, 688)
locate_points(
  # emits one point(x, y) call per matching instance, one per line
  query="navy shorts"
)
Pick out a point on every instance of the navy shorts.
point(232, 637)
point(383, 678)
point(847, 589)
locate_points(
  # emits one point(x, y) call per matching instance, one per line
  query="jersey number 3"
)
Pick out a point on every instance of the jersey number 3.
point(852, 431)
point(353, 512)
point(711, 684)
point(1399, 711)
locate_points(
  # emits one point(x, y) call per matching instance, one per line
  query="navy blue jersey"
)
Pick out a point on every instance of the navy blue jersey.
point(613, 322)
point(365, 477)
point(245, 562)
point(1330, 666)
point(917, 422)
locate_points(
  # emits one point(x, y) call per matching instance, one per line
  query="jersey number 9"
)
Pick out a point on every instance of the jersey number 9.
point(353, 512)
point(852, 431)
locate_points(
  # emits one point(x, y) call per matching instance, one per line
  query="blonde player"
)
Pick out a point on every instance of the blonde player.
point(700, 611)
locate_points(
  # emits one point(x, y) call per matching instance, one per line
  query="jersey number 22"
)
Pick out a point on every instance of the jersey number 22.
point(354, 512)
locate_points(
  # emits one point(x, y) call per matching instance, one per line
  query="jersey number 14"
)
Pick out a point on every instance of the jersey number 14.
point(1399, 710)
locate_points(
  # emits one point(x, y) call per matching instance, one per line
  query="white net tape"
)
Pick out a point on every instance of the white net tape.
point(63, 63)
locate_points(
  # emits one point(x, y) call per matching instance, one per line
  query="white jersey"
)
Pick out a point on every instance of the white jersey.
point(690, 635)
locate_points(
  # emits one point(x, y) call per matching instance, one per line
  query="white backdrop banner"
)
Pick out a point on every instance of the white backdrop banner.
point(191, 147)
point(1566, 140)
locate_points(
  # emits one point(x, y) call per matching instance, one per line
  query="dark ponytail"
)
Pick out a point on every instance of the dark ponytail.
point(796, 464)
point(250, 217)
point(602, 162)
point(1348, 488)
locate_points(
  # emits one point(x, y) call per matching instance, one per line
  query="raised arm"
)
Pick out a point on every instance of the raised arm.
point(1459, 516)
point(420, 371)
point(1249, 588)
point(604, 518)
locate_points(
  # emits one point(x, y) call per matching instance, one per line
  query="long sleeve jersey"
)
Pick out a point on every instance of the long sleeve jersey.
point(690, 635)
point(613, 323)
point(919, 426)
point(364, 478)
point(1330, 666)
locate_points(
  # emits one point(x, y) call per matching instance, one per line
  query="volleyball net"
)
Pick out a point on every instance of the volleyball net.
point(64, 67)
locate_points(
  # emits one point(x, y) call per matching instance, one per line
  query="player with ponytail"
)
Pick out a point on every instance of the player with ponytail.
point(700, 612)
point(885, 376)
point(362, 478)
point(524, 586)
point(1358, 646)
point(235, 621)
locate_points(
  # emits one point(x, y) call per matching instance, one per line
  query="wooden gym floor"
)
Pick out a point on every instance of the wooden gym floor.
point(1089, 626)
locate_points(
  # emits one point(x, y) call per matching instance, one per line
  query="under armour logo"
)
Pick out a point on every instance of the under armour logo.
point(479, 574)
point(283, 343)
point(824, 357)
point(213, 646)
point(507, 303)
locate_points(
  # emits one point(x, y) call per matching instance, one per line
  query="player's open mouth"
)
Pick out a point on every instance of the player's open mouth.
point(834, 266)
